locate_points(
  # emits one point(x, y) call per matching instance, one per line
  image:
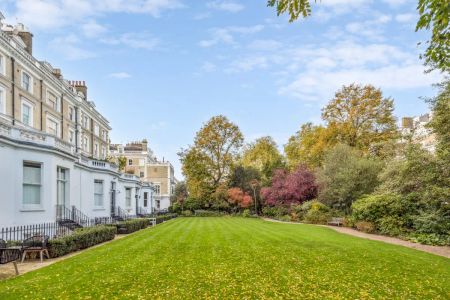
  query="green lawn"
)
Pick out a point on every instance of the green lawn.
point(223, 258)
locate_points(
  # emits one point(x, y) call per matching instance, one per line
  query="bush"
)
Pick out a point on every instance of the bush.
point(246, 213)
point(285, 218)
point(132, 225)
point(391, 225)
point(166, 217)
point(208, 213)
point(274, 211)
point(314, 212)
point(186, 213)
point(81, 238)
point(367, 227)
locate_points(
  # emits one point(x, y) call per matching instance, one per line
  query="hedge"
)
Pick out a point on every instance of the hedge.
point(208, 213)
point(166, 217)
point(132, 225)
point(81, 238)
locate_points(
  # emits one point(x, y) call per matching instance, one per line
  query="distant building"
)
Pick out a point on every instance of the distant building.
point(416, 129)
point(141, 162)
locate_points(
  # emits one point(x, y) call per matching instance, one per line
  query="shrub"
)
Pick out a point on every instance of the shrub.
point(132, 225)
point(81, 238)
point(246, 213)
point(364, 226)
point(285, 218)
point(391, 225)
point(274, 211)
point(208, 213)
point(314, 212)
point(186, 213)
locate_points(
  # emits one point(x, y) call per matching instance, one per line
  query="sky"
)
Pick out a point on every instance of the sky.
point(159, 69)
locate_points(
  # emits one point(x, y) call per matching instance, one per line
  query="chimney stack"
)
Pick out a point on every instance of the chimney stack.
point(80, 86)
point(144, 144)
point(57, 73)
point(26, 36)
point(407, 122)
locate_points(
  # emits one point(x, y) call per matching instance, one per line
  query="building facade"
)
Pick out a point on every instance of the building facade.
point(54, 144)
point(415, 128)
point(141, 162)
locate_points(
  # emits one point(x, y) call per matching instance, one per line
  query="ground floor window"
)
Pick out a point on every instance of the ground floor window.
point(128, 197)
point(145, 199)
point(31, 184)
point(62, 186)
point(158, 204)
point(98, 193)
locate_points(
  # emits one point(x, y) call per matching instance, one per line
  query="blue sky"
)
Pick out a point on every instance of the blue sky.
point(158, 69)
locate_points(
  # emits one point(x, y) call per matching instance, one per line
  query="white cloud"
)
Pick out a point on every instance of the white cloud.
point(247, 64)
point(69, 47)
point(56, 14)
point(225, 35)
point(264, 45)
point(406, 18)
point(133, 40)
point(229, 6)
point(395, 2)
point(202, 16)
point(92, 29)
point(120, 75)
point(372, 28)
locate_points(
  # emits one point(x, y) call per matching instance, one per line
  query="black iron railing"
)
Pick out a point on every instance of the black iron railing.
point(20, 233)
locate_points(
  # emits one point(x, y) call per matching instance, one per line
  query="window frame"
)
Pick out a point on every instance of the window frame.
point(2, 99)
point(102, 194)
point(25, 206)
point(51, 119)
point(30, 83)
point(25, 102)
point(128, 199)
point(2, 64)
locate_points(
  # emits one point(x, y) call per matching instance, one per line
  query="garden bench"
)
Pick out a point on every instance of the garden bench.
point(37, 243)
point(9, 254)
point(336, 221)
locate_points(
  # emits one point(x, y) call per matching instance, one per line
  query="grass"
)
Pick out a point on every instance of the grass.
point(223, 258)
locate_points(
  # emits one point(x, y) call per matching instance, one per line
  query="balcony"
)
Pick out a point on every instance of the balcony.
point(21, 133)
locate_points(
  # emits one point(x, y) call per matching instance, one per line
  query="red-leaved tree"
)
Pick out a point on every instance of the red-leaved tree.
point(290, 188)
point(239, 198)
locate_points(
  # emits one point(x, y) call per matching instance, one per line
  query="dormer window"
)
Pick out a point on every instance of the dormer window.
point(27, 82)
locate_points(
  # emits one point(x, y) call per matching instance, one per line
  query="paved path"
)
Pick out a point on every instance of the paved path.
point(438, 250)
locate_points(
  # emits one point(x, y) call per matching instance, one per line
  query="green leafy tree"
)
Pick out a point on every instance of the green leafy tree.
point(434, 16)
point(263, 155)
point(180, 194)
point(346, 175)
point(361, 117)
point(440, 123)
point(122, 162)
point(308, 146)
point(208, 163)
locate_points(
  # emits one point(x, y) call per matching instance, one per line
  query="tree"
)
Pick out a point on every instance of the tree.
point(263, 155)
point(361, 117)
point(122, 162)
point(440, 123)
point(180, 194)
point(238, 198)
point(308, 146)
point(290, 188)
point(241, 177)
point(208, 163)
point(434, 15)
point(345, 176)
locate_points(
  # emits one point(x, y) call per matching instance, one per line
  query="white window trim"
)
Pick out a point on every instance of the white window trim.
point(103, 193)
point(31, 81)
point(26, 102)
point(58, 125)
point(131, 197)
point(73, 132)
point(3, 99)
point(73, 113)
point(3, 67)
point(58, 99)
point(33, 207)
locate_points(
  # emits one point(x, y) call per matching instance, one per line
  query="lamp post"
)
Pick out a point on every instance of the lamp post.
point(254, 184)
